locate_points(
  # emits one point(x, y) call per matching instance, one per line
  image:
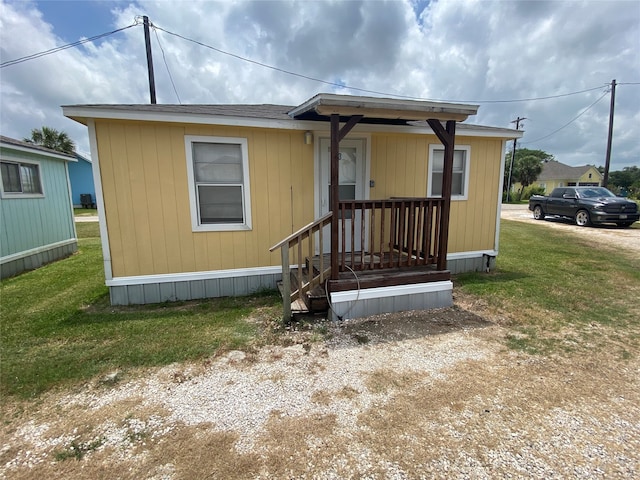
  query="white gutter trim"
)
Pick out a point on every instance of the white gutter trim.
point(500, 187)
point(474, 254)
point(102, 218)
point(78, 113)
point(192, 276)
point(8, 155)
point(35, 251)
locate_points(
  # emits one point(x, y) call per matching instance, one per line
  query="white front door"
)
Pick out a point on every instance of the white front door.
point(351, 183)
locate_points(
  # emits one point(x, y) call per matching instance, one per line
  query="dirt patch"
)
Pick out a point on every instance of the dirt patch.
point(413, 395)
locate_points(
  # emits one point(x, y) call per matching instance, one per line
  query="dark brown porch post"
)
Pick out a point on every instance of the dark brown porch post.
point(334, 192)
point(448, 140)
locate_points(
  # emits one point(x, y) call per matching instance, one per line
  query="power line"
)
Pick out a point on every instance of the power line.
point(287, 72)
point(334, 84)
point(166, 64)
point(33, 56)
point(569, 123)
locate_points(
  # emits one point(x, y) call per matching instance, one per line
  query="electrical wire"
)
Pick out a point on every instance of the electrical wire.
point(137, 21)
point(326, 293)
point(33, 56)
point(567, 124)
point(340, 85)
point(166, 65)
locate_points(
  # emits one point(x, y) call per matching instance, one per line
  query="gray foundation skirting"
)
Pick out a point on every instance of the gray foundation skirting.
point(474, 264)
point(191, 289)
point(36, 260)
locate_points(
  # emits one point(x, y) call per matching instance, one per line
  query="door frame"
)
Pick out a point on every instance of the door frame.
point(320, 138)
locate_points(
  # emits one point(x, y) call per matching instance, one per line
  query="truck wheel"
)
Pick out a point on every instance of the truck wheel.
point(538, 213)
point(582, 218)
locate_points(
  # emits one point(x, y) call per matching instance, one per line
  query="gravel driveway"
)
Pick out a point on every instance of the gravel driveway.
point(416, 395)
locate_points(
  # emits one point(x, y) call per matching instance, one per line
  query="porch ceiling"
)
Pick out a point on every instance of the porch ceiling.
point(380, 110)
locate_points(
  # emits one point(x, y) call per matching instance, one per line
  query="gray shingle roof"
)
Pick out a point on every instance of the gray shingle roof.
point(32, 146)
point(555, 170)
point(271, 112)
point(251, 111)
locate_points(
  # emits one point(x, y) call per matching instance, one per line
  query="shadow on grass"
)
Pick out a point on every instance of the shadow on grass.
point(101, 311)
point(493, 277)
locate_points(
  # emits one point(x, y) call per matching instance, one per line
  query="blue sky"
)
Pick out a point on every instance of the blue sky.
point(454, 50)
point(74, 19)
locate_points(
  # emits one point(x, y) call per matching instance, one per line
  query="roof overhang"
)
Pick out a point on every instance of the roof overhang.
point(11, 144)
point(381, 109)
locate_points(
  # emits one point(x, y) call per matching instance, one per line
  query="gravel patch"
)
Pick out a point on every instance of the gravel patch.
point(412, 395)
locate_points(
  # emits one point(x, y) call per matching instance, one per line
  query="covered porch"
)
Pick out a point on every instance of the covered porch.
point(372, 249)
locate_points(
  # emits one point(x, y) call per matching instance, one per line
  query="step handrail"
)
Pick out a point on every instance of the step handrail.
point(292, 240)
point(322, 220)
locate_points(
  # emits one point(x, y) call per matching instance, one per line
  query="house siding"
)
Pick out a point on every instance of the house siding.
point(144, 182)
point(399, 166)
point(36, 230)
point(81, 177)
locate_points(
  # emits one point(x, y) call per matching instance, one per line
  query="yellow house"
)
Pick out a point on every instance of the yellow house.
point(555, 174)
point(377, 200)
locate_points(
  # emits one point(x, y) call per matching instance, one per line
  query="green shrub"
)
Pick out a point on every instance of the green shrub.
point(532, 190)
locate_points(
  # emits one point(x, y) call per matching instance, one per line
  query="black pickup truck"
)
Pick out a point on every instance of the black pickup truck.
point(586, 205)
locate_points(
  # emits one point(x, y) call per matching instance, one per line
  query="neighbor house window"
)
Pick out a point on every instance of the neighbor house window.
point(460, 179)
point(218, 175)
point(20, 178)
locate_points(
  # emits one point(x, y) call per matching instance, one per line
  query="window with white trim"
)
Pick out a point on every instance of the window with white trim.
point(218, 175)
point(460, 178)
point(20, 179)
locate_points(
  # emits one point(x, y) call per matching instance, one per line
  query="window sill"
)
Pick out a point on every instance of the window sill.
point(222, 228)
point(21, 195)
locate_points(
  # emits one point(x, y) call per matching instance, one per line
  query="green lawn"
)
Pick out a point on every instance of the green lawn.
point(58, 327)
point(558, 293)
point(554, 294)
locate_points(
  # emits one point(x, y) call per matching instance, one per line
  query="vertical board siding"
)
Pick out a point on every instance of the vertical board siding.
point(29, 223)
point(81, 177)
point(145, 186)
point(399, 167)
point(144, 177)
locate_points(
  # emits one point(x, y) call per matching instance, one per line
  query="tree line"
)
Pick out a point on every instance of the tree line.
point(527, 166)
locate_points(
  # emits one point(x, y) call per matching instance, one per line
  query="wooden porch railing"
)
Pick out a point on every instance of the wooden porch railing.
point(303, 245)
point(372, 235)
point(382, 234)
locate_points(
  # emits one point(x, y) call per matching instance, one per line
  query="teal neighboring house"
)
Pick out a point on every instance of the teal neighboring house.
point(81, 176)
point(36, 212)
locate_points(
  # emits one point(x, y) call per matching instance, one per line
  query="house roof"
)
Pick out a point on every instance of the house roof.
point(555, 170)
point(380, 109)
point(304, 117)
point(21, 145)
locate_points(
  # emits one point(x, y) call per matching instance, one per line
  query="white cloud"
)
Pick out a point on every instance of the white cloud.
point(450, 50)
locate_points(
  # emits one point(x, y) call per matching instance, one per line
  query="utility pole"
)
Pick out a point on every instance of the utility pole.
point(147, 43)
point(607, 161)
point(513, 155)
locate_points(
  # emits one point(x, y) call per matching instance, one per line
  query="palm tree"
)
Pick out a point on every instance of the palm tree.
point(53, 139)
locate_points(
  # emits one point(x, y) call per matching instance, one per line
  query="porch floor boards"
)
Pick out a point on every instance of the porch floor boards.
point(315, 301)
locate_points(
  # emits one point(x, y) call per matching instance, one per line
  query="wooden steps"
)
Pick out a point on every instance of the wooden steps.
point(314, 301)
